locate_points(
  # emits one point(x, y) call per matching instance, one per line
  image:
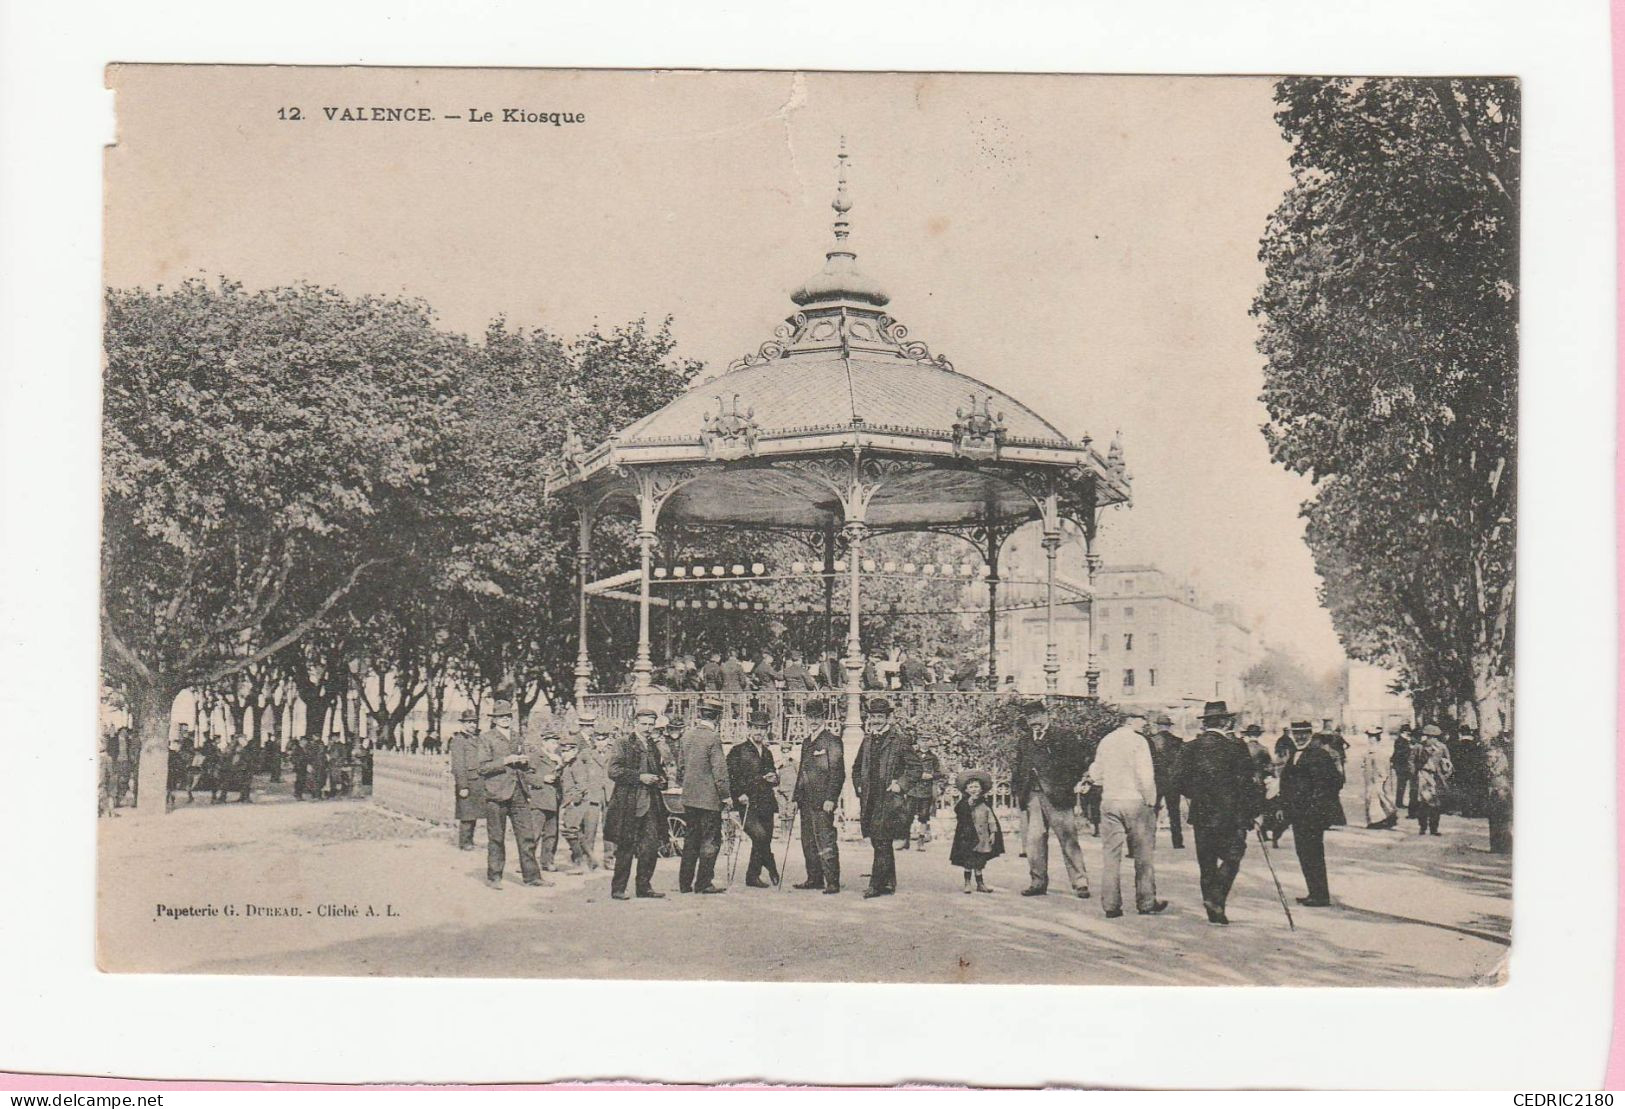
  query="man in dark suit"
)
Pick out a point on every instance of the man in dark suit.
point(1310, 783)
point(819, 778)
point(1165, 748)
point(753, 775)
point(467, 786)
point(704, 777)
point(885, 770)
point(1404, 793)
point(1218, 775)
point(636, 821)
point(511, 771)
point(1047, 779)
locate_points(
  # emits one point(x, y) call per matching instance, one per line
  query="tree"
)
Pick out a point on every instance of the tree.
point(255, 447)
point(1389, 319)
point(512, 570)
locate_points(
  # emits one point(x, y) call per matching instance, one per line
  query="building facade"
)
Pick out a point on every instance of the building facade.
point(1156, 644)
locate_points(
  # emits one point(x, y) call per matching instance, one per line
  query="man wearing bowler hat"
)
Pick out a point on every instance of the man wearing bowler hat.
point(885, 770)
point(821, 775)
point(1048, 778)
point(1219, 776)
point(511, 771)
point(753, 773)
point(467, 787)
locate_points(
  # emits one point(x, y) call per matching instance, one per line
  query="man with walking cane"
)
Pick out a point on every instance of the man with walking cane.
point(1218, 775)
point(819, 780)
point(752, 772)
point(704, 778)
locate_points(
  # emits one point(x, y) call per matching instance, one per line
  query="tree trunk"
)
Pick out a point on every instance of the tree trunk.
point(150, 718)
point(316, 709)
point(1492, 702)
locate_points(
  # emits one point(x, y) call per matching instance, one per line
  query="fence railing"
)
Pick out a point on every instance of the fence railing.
point(416, 785)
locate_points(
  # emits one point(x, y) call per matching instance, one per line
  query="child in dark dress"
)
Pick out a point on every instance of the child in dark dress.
point(978, 839)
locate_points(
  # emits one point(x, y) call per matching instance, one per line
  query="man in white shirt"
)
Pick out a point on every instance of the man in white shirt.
point(1128, 799)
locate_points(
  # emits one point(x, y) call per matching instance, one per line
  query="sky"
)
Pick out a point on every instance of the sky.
point(1087, 244)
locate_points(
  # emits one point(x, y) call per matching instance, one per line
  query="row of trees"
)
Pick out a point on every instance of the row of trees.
point(303, 489)
point(308, 495)
point(1389, 318)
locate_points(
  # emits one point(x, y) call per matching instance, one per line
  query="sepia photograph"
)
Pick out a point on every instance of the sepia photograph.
point(840, 527)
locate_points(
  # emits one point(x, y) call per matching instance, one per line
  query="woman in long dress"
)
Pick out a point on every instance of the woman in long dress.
point(1377, 778)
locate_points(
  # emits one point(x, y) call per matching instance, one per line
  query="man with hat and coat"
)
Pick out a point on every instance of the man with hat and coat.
point(885, 770)
point(1432, 769)
point(1218, 775)
point(1047, 779)
point(512, 771)
point(753, 773)
point(467, 786)
point(546, 800)
point(636, 821)
point(1165, 746)
point(1310, 783)
point(819, 778)
point(582, 796)
point(703, 773)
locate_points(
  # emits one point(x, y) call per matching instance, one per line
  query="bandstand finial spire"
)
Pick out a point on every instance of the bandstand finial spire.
point(842, 202)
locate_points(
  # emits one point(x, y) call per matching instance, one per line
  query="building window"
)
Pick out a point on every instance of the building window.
point(1128, 681)
point(1128, 613)
point(1105, 643)
point(1105, 613)
point(1156, 641)
point(1151, 677)
point(1128, 585)
point(1128, 641)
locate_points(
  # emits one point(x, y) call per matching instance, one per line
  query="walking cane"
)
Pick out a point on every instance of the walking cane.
point(1279, 892)
point(789, 834)
point(733, 861)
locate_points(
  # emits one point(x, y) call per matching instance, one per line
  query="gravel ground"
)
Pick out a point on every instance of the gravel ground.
point(344, 888)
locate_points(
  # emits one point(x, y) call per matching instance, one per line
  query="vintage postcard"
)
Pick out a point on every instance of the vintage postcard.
point(894, 527)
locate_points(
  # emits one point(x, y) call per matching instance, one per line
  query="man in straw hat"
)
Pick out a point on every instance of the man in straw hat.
point(511, 771)
point(886, 768)
point(636, 821)
point(1048, 778)
point(1218, 775)
point(819, 780)
point(705, 797)
point(469, 790)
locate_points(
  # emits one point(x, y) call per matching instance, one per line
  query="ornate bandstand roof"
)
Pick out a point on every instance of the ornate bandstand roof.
point(842, 382)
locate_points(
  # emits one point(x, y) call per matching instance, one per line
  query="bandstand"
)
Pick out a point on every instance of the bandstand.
point(841, 427)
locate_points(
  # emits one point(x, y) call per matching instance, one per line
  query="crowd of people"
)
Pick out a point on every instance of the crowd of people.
point(582, 778)
point(220, 766)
